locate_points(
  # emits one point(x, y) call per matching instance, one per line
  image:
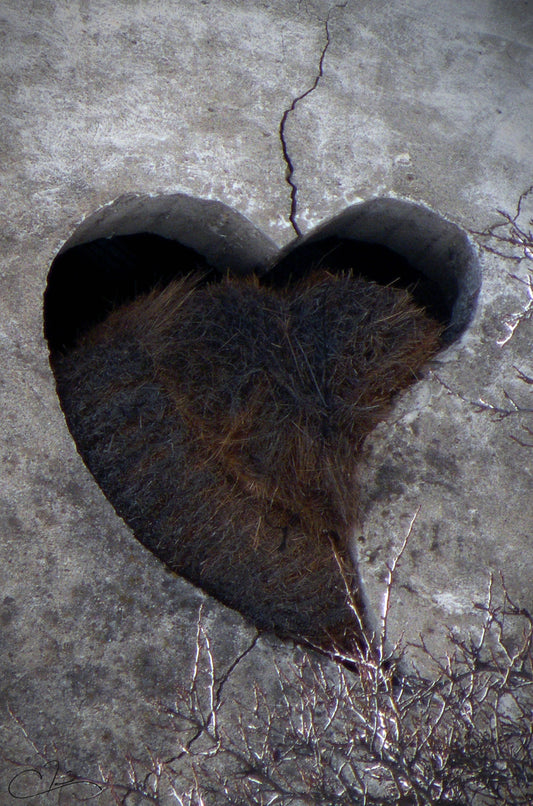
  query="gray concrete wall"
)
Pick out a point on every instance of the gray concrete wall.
point(430, 102)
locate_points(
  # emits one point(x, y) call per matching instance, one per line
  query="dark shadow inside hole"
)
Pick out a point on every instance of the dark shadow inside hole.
point(371, 261)
point(88, 281)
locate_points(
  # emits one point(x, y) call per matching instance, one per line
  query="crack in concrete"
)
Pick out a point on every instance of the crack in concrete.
point(289, 172)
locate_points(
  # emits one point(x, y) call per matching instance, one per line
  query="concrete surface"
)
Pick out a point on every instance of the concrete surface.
point(252, 105)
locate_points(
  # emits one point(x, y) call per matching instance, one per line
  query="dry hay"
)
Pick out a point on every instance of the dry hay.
point(223, 421)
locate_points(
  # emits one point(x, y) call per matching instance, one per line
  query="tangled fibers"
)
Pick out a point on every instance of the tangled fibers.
point(223, 420)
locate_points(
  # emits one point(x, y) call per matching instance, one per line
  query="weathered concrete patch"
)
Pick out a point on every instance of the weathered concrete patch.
point(112, 99)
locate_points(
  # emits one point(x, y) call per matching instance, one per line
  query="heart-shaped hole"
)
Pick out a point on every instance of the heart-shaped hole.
point(219, 391)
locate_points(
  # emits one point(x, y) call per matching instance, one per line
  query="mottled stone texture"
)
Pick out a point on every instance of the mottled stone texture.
point(113, 99)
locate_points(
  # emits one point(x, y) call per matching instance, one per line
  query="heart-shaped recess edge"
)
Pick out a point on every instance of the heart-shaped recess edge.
point(366, 236)
point(78, 293)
